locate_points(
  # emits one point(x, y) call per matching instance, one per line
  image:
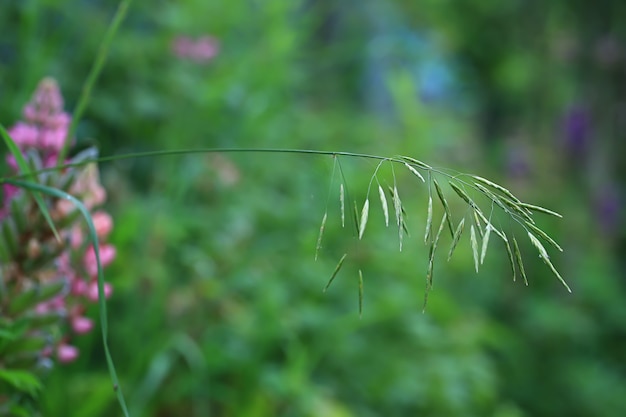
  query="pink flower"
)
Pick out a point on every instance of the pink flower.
point(182, 46)
point(79, 286)
point(203, 49)
point(87, 186)
point(46, 124)
point(76, 237)
point(67, 353)
point(107, 254)
point(81, 324)
point(47, 100)
point(24, 135)
point(92, 291)
point(52, 139)
point(103, 223)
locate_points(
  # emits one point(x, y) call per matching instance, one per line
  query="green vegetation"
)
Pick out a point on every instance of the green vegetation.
point(219, 305)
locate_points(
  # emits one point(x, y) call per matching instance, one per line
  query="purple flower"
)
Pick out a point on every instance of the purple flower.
point(607, 209)
point(576, 131)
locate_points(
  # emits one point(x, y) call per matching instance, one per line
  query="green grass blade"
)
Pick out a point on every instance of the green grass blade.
point(93, 238)
point(96, 68)
point(25, 169)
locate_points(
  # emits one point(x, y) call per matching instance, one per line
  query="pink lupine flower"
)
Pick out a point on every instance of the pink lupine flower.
point(205, 48)
point(67, 353)
point(79, 286)
point(24, 135)
point(45, 124)
point(92, 291)
point(52, 139)
point(107, 254)
point(82, 325)
point(88, 187)
point(103, 223)
point(76, 237)
point(41, 135)
point(202, 49)
point(182, 46)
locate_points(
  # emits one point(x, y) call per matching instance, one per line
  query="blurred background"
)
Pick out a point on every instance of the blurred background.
point(218, 306)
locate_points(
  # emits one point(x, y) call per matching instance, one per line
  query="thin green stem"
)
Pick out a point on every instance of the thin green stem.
point(96, 68)
point(150, 154)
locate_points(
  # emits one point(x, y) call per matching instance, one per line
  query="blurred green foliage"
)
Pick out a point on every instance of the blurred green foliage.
point(218, 306)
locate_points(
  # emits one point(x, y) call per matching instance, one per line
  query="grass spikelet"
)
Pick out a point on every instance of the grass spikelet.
point(496, 187)
point(383, 202)
point(431, 260)
point(525, 214)
point(462, 194)
point(319, 238)
point(399, 210)
point(500, 234)
point(416, 162)
point(555, 272)
point(414, 171)
point(491, 195)
point(480, 214)
point(483, 251)
point(477, 223)
point(546, 259)
point(429, 219)
point(474, 243)
point(445, 205)
point(456, 237)
point(337, 268)
point(537, 244)
point(508, 250)
point(544, 236)
point(360, 294)
point(342, 205)
point(520, 262)
point(364, 216)
point(397, 205)
point(540, 210)
point(509, 206)
point(356, 218)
